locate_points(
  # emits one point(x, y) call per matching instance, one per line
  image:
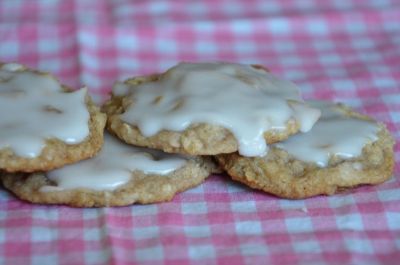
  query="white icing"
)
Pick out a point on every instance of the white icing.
point(304, 113)
point(335, 133)
point(34, 108)
point(12, 67)
point(245, 100)
point(113, 167)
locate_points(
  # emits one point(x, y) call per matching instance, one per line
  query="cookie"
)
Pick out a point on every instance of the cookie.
point(119, 175)
point(44, 125)
point(208, 109)
point(343, 150)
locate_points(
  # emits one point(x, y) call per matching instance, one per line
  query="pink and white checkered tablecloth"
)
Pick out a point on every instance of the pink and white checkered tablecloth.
point(345, 51)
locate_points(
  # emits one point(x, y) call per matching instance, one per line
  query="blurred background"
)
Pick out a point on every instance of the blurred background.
point(334, 49)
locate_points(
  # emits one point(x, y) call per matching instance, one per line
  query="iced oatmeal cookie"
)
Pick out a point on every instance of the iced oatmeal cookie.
point(44, 125)
point(119, 175)
point(208, 109)
point(344, 149)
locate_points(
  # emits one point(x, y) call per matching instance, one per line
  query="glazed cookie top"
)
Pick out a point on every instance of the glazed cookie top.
point(113, 167)
point(35, 107)
point(335, 134)
point(244, 99)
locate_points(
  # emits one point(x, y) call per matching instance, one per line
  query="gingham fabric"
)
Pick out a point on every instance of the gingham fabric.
point(347, 51)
